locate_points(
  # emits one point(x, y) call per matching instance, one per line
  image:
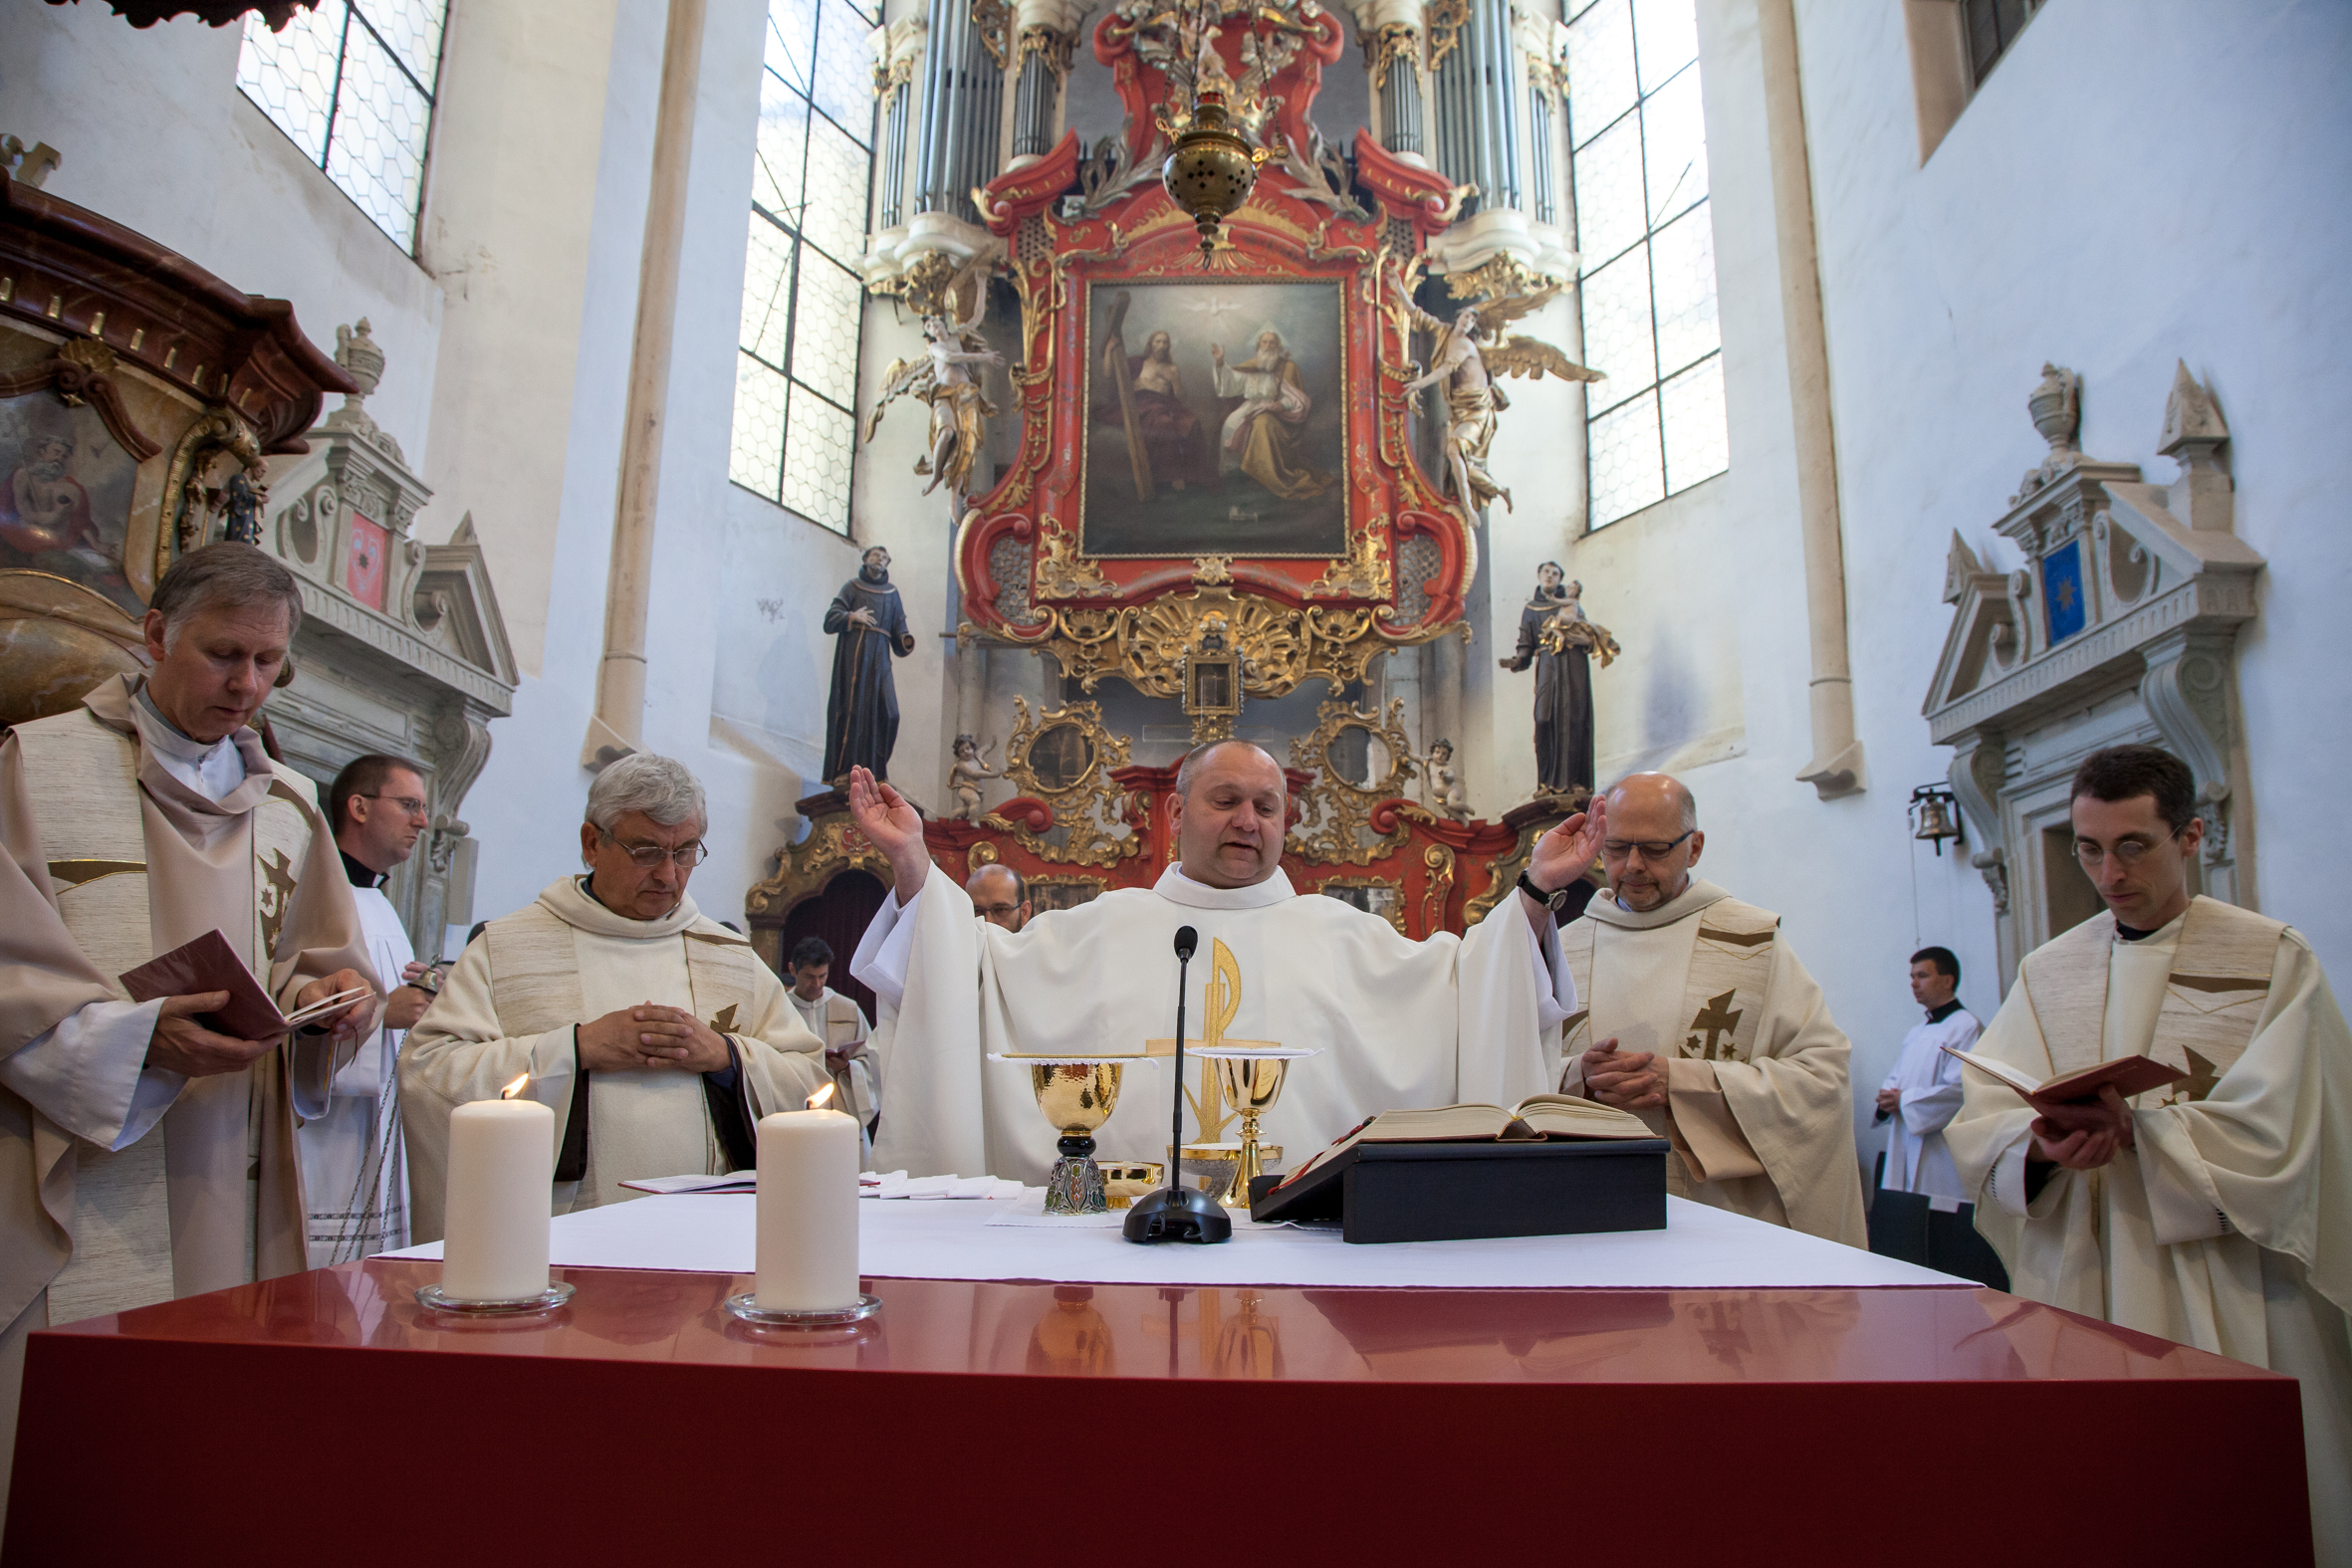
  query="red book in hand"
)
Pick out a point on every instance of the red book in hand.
point(210, 963)
point(2128, 1074)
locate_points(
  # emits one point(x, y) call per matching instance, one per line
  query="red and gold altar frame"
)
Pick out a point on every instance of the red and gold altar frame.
point(1409, 553)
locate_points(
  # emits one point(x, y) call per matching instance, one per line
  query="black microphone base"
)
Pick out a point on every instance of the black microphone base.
point(1178, 1213)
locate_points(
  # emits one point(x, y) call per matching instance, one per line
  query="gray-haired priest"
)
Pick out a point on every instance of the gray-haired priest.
point(145, 817)
point(656, 1034)
point(1398, 1023)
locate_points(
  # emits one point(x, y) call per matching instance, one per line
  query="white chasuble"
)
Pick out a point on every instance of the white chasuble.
point(513, 999)
point(1758, 1108)
point(2229, 1225)
point(354, 1174)
point(1399, 1024)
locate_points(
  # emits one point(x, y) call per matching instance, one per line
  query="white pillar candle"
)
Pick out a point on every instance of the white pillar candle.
point(502, 1164)
point(808, 1186)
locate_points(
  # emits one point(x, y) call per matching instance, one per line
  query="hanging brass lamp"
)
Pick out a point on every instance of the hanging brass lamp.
point(1210, 169)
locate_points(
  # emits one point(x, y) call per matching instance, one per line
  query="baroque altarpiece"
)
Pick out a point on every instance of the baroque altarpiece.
point(1219, 492)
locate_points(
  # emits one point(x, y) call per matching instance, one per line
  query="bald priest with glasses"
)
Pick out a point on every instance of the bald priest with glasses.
point(654, 1032)
point(1700, 1020)
point(2216, 1211)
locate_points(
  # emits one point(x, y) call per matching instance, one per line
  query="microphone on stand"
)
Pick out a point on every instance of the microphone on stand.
point(1181, 1213)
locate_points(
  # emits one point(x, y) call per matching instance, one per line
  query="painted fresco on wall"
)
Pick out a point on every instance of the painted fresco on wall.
point(1216, 420)
point(65, 503)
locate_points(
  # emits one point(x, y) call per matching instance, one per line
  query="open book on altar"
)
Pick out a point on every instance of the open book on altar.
point(2130, 1074)
point(1532, 1120)
point(210, 963)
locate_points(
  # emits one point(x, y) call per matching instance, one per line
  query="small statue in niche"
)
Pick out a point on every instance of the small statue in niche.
point(944, 379)
point(964, 775)
point(240, 505)
point(1445, 782)
point(1467, 356)
point(1556, 636)
point(868, 625)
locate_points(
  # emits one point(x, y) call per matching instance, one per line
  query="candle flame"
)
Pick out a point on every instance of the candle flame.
point(513, 1088)
point(816, 1101)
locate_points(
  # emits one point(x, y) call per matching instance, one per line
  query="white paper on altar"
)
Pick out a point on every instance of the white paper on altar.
point(1702, 1249)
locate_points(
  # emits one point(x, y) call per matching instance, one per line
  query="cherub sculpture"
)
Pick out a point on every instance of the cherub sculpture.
point(964, 775)
point(1466, 357)
point(1445, 782)
point(944, 379)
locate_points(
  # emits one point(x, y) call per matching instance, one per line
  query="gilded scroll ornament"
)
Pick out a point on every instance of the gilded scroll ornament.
point(1064, 758)
point(1335, 811)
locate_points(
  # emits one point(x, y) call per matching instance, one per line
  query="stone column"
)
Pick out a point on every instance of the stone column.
point(617, 725)
point(1836, 765)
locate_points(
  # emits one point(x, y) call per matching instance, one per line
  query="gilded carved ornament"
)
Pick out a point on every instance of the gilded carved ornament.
point(1335, 811)
point(1064, 758)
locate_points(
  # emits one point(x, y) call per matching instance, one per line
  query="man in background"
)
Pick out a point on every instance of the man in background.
point(354, 1174)
point(1921, 1212)
point(838, 1021)
point(999, 896)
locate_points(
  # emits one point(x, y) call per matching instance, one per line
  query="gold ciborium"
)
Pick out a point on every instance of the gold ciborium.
point(1251, 1085)
point(1077, 1097)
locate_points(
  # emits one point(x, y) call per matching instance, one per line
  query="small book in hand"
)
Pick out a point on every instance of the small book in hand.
point(1532, 1120)
point(2130, 1074)
point(210, 963)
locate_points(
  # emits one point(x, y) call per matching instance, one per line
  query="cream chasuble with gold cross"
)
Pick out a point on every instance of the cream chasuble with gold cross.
point(509, 1009)
point(1758, 1102)
point(1399, 1024)
point(2229, 1225)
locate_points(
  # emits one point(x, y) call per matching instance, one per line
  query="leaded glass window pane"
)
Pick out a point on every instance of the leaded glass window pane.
point(351, 85)
point(796, 384)
point(1645, 235)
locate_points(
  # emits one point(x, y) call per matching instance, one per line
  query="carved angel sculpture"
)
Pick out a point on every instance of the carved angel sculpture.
point(943, 378)
point(1468, 355)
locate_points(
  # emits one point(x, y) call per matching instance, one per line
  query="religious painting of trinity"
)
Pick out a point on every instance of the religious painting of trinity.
point(1216, 420)
point(64, 500)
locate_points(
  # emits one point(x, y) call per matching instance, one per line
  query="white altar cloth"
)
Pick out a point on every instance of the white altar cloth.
point(1700, 1248)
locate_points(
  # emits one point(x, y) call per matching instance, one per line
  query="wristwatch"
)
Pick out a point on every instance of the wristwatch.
point(1551, 901)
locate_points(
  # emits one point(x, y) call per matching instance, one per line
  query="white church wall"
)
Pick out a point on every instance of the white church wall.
point(2073, 215)
point(156, 135)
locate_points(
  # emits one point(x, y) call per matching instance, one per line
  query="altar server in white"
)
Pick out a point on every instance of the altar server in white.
point(840, 1024)
point(1399, 1022)
point(654, 1032)
point(1921, 1094)
point(354, 1174)
point(2218, 1211)
point(1704, 1024)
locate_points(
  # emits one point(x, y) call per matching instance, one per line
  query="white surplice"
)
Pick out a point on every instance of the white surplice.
point(1928, 1079)
point(1400, 1023)
point(354, 1174)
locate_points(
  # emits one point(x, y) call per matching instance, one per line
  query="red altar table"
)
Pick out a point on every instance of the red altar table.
point(326, 1417)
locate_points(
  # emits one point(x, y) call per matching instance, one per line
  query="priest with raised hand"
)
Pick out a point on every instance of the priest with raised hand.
point(2217, 1212)
point(654, 1032)
point(143, 1155)
point(1399, 1024)
point(1700, 1021)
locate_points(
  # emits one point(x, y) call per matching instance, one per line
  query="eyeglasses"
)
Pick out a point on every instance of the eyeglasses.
point(646, 856)
point(406, 802)
point(1651, 849)
point(2128, 852)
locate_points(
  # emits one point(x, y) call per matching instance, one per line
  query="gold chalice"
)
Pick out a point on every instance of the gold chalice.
point(1251, 1085)
point(1077, 1097)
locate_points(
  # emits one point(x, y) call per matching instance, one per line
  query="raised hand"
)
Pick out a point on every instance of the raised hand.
point(1568, 850)
point(894, 827)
